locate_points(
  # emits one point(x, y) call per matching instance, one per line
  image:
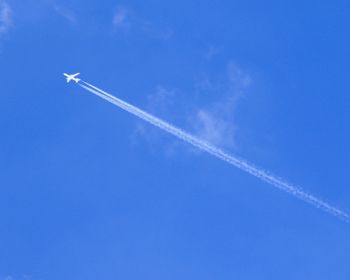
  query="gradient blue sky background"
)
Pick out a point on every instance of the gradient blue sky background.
point(88, 191)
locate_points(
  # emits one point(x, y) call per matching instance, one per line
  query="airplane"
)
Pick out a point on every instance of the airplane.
point(72, 77)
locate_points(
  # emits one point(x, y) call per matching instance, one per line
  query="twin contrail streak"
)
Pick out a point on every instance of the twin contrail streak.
point(217, 152)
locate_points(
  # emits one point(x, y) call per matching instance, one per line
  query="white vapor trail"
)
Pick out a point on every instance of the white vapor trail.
point(217, 152)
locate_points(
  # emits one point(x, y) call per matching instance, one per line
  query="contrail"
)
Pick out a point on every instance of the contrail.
point(217, 152)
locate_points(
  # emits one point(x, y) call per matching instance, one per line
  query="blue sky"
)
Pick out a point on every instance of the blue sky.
point(88, 191)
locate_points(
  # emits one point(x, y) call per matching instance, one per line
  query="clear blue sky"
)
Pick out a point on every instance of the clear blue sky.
point(88, 191)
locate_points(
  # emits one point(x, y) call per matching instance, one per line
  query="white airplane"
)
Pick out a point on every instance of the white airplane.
point(72, 77)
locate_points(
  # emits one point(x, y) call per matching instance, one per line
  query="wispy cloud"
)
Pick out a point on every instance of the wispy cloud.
point(11, 277)
point(238, 78)
point(162, 103)
point(66, 13)
point(126, 20)
point(211, 52)
point(216, 121)
point(162, 100)
point(121, 18)
point(214, 128)
point(5, 17)
point(208, 111)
